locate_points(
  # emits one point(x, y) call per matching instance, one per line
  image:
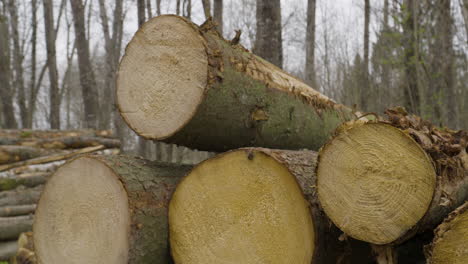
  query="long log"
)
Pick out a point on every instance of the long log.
point(28, 180)
point(450, 244)
point(252, 205)
point(51, 158)
point(66, 142)
point(27, 134)
point(20, 196)
point(16, 210)
point(9, 154)
point(7, 249)
point(187, 85)
point(384, 181)
point(106, 209)
point(11, 227)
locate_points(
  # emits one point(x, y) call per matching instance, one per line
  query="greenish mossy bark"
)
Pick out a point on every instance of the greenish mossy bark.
point(30, 181)
point(149, 186)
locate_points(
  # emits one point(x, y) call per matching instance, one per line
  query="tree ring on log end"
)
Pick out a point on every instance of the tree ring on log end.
point(374, 181)
point(451, 239)
point(240, 207)
point(83, 216)
point(162, 77)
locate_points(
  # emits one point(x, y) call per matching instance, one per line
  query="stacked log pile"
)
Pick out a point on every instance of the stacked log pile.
point(387, 182)
point(27, 160)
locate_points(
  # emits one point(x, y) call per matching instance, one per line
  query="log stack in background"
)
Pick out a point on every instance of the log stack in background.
point(27, 160)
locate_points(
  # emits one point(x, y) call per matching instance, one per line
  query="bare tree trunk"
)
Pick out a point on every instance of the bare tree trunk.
point(32, 84)
point(52, 65)
point(141, 12)
point(6, 92)
point(207, 8)
point(464, 9)
point(87, 78)
point(310, 45)
point(158, 7)
point(148, 9)
point(18, 61)
point(177, 7)
point(364, 91)
point(411, 90)
point(218, 15)
point(268, 42)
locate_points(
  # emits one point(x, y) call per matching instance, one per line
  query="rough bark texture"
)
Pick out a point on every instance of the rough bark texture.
point(11, 227)
point(87, 78)
point(54, 98)
point(6, 93)
point(72, 142)
point(364, 91)
point(149, 187)
point(14, 153)
point(250, 102)
point(218, 15)
point(310, 45)
point(268, 41)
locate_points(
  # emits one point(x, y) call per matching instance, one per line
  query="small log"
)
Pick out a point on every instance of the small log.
point(450, 244)
point(106, 209)
point(16, 210)
point(252, 205)
point(384, 181)
point(9, 154)
point(51, 158)
point(34, 134)
point(7, 249)
point(28, 180)
point(20, 196)
point(188, 86)
point(11, 227)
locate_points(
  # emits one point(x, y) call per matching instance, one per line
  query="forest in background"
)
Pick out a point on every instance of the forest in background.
point(58, 58)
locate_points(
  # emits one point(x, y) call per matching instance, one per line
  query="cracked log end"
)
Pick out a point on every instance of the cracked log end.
point(374, 181)
point(243, 206)
point(162, 77)
point(83, 214)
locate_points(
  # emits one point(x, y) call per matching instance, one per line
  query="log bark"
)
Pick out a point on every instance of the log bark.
point(17, 210)
point(20, 196)
point(240, 215)
point(65, 142)
point(206, 93)
point(27, 180)
point(7, 250)
point(55, 157)
point(11, 227)
point(383, 181)
point(32, 134)
point(117, 205)
point(451, 238)
point(9, 154)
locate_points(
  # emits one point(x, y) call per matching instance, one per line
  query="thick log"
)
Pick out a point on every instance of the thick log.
point(384, 181)
point(106, 209)
point(11, 227)
point(16, 210)
point(7, 249)
point(451, 239)
point(9, 154)
point(51, 158)
point(28, 180)
point(20, 196)
point(252, 205)
point(187, 85)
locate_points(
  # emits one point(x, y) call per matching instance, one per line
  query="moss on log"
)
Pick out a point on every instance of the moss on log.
point(252, 205)
point(450, 244)
point(187, 85)
point(106, 209)
point(384, 181)
point(28, 180)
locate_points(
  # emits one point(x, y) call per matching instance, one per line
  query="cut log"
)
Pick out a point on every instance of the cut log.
point(450, 244)
point(11, 227)
point(51, 158)
point(20, 196)
point(16, 210)
point(106, 209)
point(28, 180)
point(187, 85)
point(7, 249)
point(66, 142)
point(25, 134)
point(381, 182)
point(9, 154)
point(252, 206)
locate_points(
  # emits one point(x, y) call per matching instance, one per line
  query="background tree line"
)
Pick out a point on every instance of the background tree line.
point(58, 58)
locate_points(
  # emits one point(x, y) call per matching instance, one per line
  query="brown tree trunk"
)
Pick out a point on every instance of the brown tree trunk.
point(54, 98)
point(129, 197)
point(218, 15)
point(268, 41)
point(6, 93)
point(310, 45)
point(364, 91)
point(231, 98)
point(87, 78)
point(158, 7)
point(206, 8)
point(18, 61)
point(32, 83)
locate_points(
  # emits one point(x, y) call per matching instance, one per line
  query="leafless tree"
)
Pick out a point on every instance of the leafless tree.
point(310, 45)
point(6, 92)
point(218, 15)
point(268, 42)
